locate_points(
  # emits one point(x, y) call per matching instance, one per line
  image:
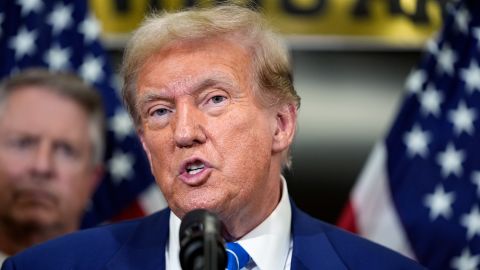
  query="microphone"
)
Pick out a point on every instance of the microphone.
point(201, 243)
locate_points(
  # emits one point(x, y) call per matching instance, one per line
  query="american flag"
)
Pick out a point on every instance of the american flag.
point(420, 190)
point(64, 35)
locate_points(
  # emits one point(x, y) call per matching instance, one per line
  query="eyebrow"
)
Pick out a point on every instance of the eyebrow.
point(162, 93)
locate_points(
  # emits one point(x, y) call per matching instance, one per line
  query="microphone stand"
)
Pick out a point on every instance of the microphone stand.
point(210, 247)
point(201, 242)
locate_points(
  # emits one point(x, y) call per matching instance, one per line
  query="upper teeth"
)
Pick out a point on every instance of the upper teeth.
point(194, 169)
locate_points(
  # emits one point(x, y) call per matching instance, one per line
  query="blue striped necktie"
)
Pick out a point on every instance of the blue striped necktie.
point(237, 256)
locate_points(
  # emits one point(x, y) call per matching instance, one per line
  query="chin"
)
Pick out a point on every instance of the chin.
point(212, 205)
point(36, 218)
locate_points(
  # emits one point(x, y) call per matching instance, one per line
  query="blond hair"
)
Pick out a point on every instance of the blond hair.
point(270, 58)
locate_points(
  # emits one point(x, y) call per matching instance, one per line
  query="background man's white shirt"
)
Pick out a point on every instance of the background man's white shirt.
point(3, 257)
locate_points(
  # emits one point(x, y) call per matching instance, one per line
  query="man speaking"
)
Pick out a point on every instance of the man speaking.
point(212, 98)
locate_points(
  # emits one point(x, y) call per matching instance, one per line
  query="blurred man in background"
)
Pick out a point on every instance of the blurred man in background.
point(51, 148)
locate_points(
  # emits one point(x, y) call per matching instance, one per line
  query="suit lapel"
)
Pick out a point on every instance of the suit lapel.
point(145, 249)
point(311, 246)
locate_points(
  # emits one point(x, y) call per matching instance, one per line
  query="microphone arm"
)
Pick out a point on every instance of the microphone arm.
point(201, 242)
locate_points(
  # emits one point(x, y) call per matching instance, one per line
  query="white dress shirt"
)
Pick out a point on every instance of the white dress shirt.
point(3, 257)
point(269, 244)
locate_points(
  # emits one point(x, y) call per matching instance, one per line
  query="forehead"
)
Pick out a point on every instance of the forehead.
point(40, 111)
point(182, 66)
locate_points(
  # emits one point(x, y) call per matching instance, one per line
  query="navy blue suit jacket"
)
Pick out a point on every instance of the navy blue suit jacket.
point(140, 244)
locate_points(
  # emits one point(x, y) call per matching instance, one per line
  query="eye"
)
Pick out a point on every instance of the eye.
point(159, 112)
point(216, 102)
point(22, 142)
point(218, 99)
point(158, 115)
point(65, 149)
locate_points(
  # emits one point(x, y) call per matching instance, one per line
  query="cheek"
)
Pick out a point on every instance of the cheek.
point(161, 157)
point(11, 177)
point(247, 144)
point(161, 163)
point(74, 187)
point(158, 145)
point(6, 189)
point(11, 168)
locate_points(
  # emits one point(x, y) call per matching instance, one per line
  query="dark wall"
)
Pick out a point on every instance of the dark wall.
point(357, 94)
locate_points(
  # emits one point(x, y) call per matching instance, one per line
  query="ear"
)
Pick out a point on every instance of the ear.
point(285, 127)
point(96, 177)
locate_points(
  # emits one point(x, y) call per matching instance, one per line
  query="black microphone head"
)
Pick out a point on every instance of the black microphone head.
point(201, 242)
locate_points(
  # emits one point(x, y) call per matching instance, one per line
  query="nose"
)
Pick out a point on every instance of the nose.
point(188, 130)
point(42, 164)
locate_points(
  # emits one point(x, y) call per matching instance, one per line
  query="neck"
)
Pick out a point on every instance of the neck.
point(245, 222)
point(16, 238)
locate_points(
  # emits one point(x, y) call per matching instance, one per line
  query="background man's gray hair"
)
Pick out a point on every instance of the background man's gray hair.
point(70, 86)
point(271, 63)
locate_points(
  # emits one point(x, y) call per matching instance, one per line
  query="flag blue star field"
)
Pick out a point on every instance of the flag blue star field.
point(420, 190)
point(64, 35)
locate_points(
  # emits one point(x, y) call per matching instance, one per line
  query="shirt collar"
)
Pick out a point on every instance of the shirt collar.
point(173, 248)
point(268, 244)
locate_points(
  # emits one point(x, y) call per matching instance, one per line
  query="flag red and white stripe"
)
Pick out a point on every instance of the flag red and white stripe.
point(371, 212)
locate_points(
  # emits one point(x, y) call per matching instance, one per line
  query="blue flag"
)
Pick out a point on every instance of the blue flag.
point(64, 35)
point(420, 191)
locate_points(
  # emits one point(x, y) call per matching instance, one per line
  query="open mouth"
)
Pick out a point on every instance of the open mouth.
point(195, 171)
point(195, 167)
